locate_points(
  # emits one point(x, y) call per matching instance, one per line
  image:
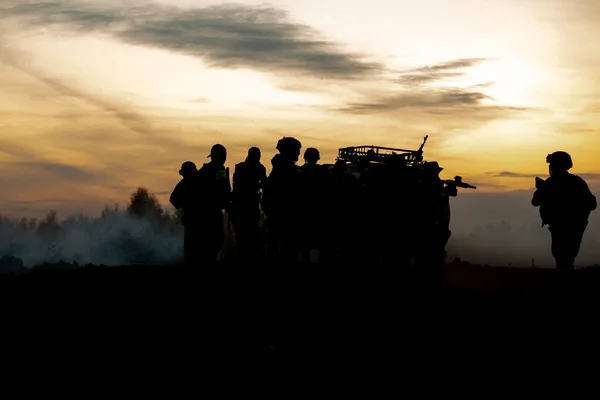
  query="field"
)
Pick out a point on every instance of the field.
point(306, 314)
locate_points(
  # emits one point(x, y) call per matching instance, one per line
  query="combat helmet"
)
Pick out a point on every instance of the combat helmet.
point(289, 147)
point(288, 144)
point(187, 168)
point(312, 154)
point(560, 160)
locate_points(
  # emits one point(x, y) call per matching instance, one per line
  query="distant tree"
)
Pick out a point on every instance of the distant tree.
point(49, 226)
point(106, 212)
point(142, 204)
point(76, 219)
point(27, 223)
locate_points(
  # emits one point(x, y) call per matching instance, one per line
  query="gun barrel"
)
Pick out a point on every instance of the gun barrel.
point(460, 184)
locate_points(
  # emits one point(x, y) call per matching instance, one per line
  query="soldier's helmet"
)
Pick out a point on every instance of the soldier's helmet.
point(560, 160)
point(312, 154)
point(187, 168)
point(253, 154)
point(289, 146)
point(433, 166)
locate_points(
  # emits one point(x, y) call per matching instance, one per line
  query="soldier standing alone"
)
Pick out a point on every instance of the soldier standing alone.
point(565, 202)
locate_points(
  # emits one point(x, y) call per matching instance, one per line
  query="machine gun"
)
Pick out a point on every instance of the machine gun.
point(451, 186)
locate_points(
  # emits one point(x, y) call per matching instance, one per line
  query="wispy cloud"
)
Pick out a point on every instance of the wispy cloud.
point(58, 171)
point(227, 36)
point(430, 98)
point(267, 39)
point(437, 72)
point(509, 174)
point(416, 93)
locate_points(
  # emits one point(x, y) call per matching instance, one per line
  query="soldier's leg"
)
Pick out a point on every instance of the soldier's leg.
point(248, 242)
point(272, 246)
point(191, 241)
point(561, 248)
point(212, 238)
point(573, 239)
point(188, 245)
point(241, 238)
point(290, 246)
point(256, 245)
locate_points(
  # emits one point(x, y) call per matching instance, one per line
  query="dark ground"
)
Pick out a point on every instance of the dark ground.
point(339, 319)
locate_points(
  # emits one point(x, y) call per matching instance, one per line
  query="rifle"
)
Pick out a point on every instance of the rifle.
point(451, 185)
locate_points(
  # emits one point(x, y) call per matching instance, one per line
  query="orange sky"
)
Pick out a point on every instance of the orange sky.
point(99, 97)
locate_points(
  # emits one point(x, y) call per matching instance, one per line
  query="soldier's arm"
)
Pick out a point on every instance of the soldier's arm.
point(536, 201)
point(540, 192)
point(225, 190)
point(263, 175)
point(236, 176)
point(176, 198)
point(265, 202)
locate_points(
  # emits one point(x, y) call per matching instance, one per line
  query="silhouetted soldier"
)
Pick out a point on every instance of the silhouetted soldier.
point(565, 203)
point(314, 181)
point(214, 197)
point(282, 201)
point(248, 179)
point(271, 230)
point(433, 229)
point(183, 198)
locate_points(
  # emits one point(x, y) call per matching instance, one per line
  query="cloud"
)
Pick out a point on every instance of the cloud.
point(490, 185)
point(509, 174)
point(444, 70)
point(417, 96)
point(200, 100)
point(226, 36)
point(266, 39)
point(148, 131)
point(429, 98)
point(18, 61)
point(58, 170)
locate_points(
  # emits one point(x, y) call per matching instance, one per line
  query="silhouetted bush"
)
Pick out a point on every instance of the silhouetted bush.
point(142, 204)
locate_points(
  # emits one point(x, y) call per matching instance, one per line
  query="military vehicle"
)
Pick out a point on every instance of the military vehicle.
point(399, 208)
point(364, 161)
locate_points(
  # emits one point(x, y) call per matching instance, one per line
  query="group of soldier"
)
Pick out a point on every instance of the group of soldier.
point(280, 218)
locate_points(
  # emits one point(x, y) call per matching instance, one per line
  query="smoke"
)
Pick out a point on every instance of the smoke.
point(116, 238)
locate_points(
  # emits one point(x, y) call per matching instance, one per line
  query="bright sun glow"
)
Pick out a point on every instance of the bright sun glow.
point(511, 82)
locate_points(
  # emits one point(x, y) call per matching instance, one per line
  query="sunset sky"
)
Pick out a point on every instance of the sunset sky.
point(99, 97)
